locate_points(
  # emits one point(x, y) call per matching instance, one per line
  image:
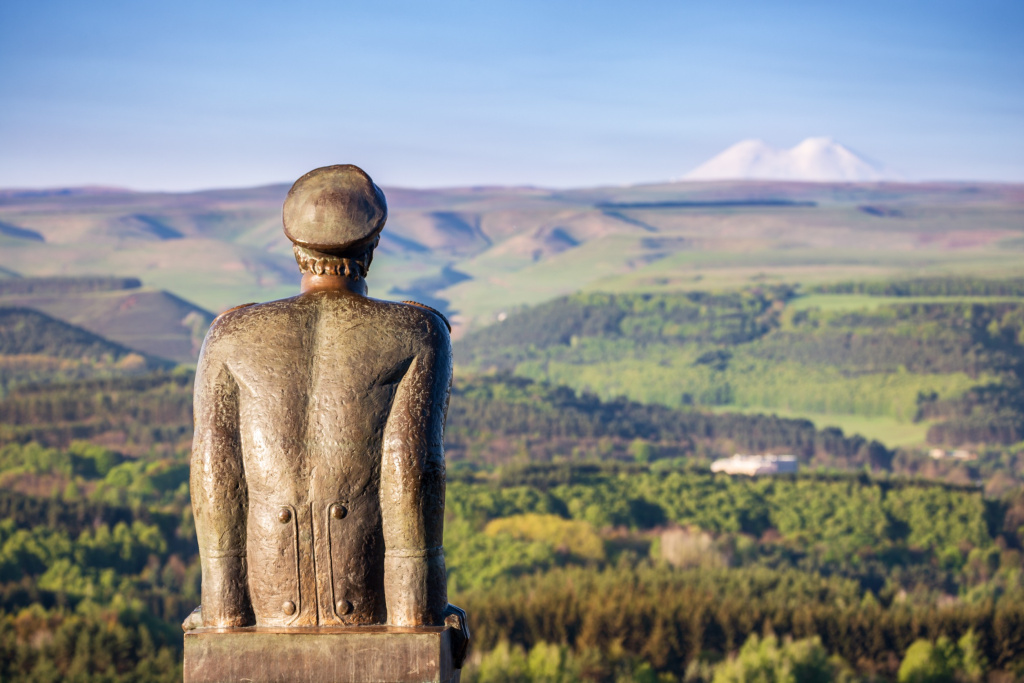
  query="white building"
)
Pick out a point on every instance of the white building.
point(959, 454)
point(753, 465)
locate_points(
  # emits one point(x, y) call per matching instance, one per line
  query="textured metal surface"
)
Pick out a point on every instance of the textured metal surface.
point(317, 472)
point(338, 655)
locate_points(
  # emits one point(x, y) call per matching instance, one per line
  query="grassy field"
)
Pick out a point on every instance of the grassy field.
point(879, 406)
point(889, 431)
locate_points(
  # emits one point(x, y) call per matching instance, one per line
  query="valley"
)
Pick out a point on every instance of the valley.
point(610, 344)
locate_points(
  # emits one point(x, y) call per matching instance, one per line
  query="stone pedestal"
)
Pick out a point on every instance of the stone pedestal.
point(368, 654)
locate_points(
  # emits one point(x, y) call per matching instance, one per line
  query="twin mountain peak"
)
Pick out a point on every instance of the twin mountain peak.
point(815, 160)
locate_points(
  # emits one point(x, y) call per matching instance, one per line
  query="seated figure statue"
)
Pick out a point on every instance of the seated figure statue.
point(317, 472)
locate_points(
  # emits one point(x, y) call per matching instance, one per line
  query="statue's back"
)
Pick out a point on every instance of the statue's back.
point(317, 470)
point(317, 377)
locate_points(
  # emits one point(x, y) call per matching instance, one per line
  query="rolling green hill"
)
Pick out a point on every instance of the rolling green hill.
point(27, 332)
point(154, 323)
point(37, 348)
point(948, 369)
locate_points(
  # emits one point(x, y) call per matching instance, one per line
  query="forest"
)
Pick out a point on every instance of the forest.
point(585, 535)
point(611, 569)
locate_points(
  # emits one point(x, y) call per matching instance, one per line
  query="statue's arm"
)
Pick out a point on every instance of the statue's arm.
point(219, 495)
point(412, 487)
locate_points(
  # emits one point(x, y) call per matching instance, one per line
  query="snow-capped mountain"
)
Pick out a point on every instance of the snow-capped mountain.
point(814, 159)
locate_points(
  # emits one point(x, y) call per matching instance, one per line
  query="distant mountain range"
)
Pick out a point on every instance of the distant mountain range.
point(814, 160)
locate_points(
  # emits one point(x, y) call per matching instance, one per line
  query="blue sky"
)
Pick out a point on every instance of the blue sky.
point(189, 95)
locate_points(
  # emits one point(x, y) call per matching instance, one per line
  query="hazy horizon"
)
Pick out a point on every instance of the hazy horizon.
point(98, 188)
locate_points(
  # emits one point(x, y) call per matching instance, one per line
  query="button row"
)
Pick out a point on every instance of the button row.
point(338, 511)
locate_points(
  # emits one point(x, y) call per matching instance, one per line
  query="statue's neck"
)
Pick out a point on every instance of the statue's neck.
point(312, 282)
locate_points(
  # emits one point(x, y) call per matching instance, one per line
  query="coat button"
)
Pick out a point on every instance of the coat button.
point(288, 607)
point(285, 515)
point(343, 606)
point(338, 511)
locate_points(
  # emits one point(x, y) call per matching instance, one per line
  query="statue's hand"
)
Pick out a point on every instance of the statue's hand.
point(455, 619)
point(193, 620)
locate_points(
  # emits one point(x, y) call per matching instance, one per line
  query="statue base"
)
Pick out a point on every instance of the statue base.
point(366, 654)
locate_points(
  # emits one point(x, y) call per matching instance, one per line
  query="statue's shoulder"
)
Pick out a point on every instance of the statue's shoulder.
point(238, 318)
point(436, 312)
point(412, 314)
point(266, 310)
point(227, 313)
point(250, 318)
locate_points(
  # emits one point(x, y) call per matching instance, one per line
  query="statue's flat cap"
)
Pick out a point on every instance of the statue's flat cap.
point(334, 209)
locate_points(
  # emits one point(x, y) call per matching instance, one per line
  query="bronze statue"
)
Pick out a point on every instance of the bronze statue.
point(318, 473)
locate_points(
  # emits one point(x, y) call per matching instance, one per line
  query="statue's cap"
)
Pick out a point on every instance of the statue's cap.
point(334, 209)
